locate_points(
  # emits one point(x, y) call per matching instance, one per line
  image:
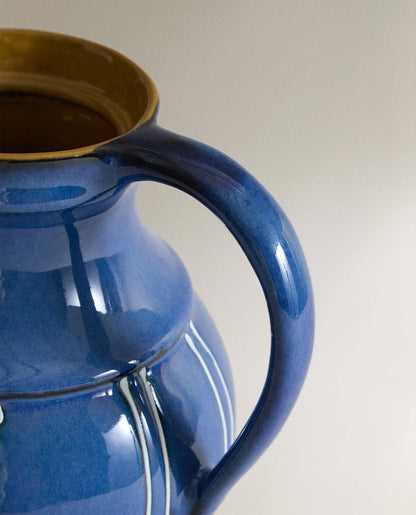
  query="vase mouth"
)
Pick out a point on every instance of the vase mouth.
point(62, 96)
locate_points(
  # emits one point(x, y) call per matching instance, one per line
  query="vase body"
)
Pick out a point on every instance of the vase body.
point(116, 389)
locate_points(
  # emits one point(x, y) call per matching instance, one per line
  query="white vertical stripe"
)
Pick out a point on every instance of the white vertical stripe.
point(1, 416)
point(152, 399)
point(125, 390)
point(191, 345)
point(217, 368)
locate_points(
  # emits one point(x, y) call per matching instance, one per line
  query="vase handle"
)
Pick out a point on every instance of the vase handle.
point(270, 243)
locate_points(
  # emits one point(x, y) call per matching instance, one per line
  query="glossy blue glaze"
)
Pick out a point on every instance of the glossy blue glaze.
point(81, 450)
point(115, 390)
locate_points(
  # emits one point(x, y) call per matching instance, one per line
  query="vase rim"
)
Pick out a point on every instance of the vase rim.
point(77, 71)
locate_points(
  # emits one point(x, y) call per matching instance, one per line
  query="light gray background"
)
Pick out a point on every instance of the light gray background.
point(317, 100)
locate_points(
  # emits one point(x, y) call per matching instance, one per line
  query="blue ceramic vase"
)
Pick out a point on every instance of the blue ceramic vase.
point(115, 389)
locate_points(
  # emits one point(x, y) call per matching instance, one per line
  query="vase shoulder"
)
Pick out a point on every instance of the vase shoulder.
point(94, 299)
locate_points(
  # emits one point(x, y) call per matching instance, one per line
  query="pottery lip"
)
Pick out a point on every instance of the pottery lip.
point(100, 78)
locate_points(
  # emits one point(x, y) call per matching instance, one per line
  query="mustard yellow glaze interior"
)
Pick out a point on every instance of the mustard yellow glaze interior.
point(49, 72)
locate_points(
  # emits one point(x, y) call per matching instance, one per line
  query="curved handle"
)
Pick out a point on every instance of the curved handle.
point(271, 245)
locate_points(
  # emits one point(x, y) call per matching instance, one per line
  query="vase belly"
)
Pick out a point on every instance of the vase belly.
point(132, 445)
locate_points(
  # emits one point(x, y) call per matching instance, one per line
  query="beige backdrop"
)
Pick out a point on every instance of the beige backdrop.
point(317, 99)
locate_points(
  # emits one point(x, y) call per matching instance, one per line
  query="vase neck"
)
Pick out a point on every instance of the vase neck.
point(39, 249)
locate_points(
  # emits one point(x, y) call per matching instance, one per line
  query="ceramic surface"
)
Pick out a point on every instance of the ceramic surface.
point(115, 389)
